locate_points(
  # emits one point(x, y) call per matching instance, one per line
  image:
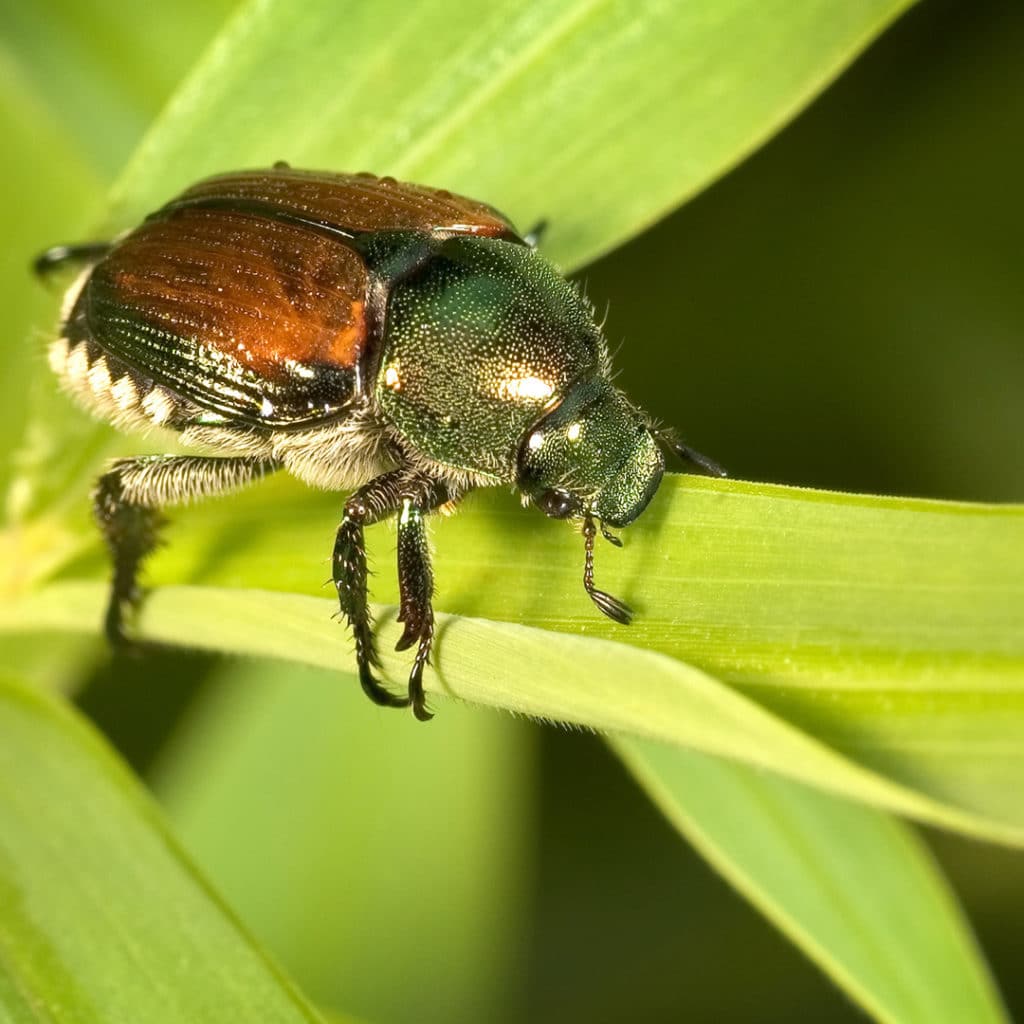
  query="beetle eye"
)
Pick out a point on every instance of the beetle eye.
point(557, 503)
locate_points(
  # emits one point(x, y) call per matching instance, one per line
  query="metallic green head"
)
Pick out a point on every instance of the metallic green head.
point(593, 456)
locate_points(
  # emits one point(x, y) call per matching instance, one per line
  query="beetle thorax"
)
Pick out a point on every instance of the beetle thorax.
point(480, 341)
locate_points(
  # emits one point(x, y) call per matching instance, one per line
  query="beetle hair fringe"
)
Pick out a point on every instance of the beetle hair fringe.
point(156, 481)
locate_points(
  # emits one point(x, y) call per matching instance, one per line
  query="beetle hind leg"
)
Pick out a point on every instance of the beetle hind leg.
point(131, 532)
point(58, 255)
point(127, 501)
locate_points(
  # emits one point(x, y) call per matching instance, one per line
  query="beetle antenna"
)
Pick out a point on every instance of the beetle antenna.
point(611, 606)
point(683, 451)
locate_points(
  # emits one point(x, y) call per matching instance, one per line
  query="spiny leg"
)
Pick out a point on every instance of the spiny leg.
point(611, 606)
point(534, 236)
point(56, 256)
point(416, 586)
point(374, 501)
point(127, 501)
point(386, 495)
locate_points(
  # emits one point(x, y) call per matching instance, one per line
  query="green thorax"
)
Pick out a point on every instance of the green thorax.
point(480, 340)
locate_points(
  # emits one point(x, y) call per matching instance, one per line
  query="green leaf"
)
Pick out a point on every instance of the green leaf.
point(101, 917)
point(600, 115)
point(741, 598)
point(50, 191)
point(856, 891)
point(344, 808)
point(104, 69)
point(891, 630)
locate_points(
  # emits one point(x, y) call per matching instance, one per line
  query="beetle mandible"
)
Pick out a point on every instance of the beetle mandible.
point(360, 333)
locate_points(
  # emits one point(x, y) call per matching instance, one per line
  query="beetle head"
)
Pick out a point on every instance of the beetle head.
point(592, 456)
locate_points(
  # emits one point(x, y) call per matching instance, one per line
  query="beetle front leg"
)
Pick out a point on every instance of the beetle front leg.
point(413, 495)
point(350, 576)
point(611, 606)
point(416, 587)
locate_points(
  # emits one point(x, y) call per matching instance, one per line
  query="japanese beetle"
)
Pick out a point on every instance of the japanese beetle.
point(359, 333)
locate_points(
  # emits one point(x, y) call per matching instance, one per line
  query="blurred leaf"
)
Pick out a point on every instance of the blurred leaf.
point(855, 890)
point(601, 115)
point(345, 808)
point(61, 663)
point(104, 69)
point(101, 917)
point(50, 192)
point(667, 96)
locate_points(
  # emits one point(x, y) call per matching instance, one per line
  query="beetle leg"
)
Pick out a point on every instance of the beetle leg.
point(56, 256)
point(416, 586)
point(126, 504)
point(534, 236)
point(611, 606)
point(374, 501)
point(412, 494)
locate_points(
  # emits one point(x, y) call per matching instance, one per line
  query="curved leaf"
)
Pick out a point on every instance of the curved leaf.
point(891, 630)
point(101, 917)
point(600, 114)
point(586, 681)
point(344, 810)
point(856, 891)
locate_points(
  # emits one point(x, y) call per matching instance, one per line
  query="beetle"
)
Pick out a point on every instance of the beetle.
point(360, 333)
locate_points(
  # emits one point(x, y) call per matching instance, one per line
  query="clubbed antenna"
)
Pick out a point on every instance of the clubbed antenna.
point(611, 606)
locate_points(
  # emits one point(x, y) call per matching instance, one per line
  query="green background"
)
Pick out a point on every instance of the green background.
point(847, 313)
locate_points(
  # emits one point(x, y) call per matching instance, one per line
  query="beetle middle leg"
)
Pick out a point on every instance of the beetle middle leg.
point(126, 503)
point(413, 495)
point(416, 588)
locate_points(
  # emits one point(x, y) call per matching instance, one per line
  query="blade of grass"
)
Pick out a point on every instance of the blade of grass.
point(857, 891)
point(600, 115)
point(520, 105)
point(101, 917)
point(586, 681)
point(892, 630)
point(344, 811)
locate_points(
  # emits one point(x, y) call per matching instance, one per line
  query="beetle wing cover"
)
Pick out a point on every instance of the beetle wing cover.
point(357, 202)
point(253, 319)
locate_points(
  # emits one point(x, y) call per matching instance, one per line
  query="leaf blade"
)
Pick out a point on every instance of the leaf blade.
point(570, 678)
point(857, 891)
point(349, 95)
point(102, 918)
point(892, 630)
